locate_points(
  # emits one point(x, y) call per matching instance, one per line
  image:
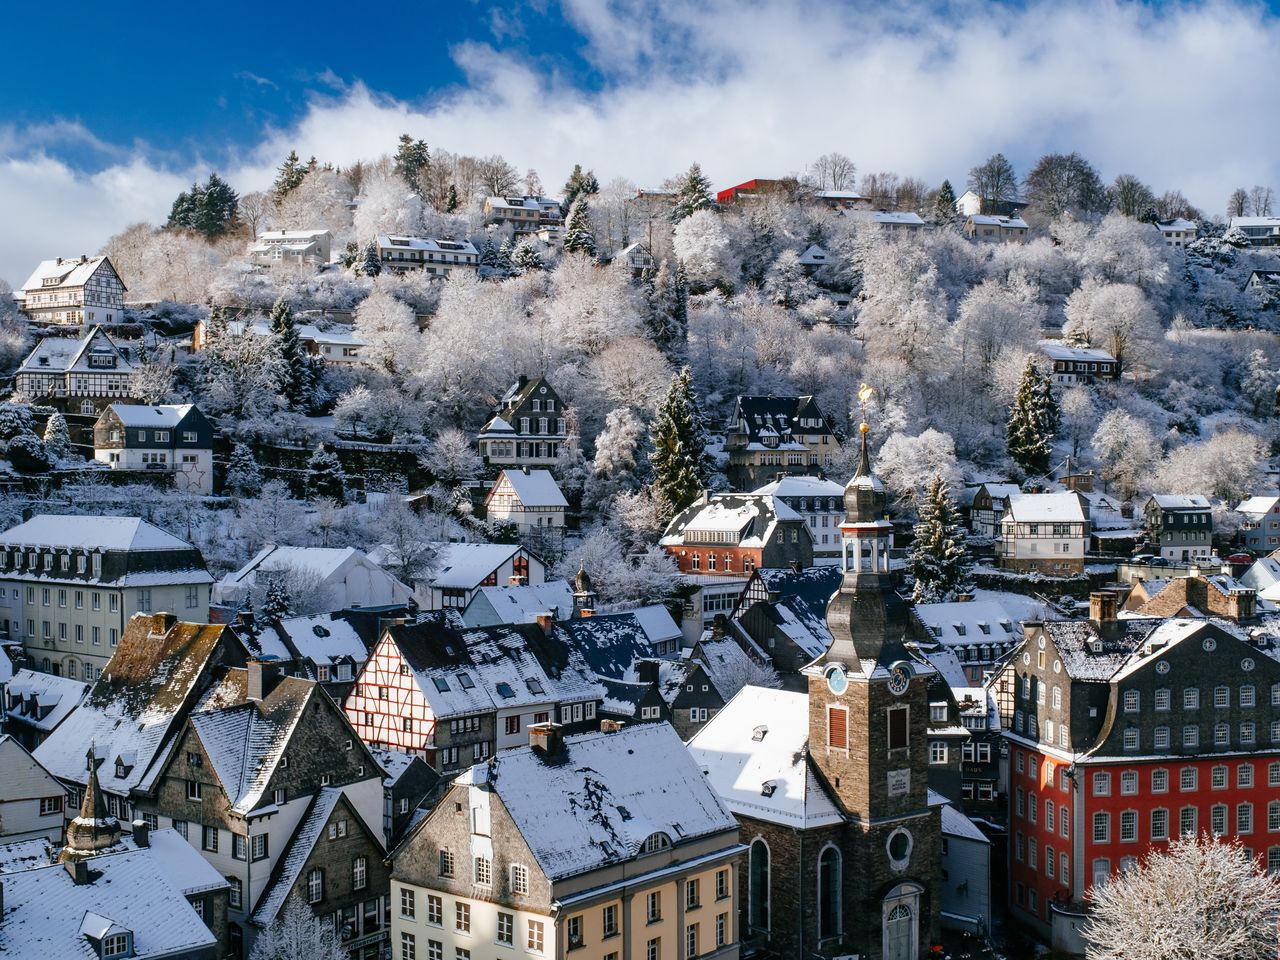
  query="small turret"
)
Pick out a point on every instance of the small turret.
point(93, 830)
point(584, 595)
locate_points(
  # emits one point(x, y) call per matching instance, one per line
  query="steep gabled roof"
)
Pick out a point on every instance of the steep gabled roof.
point(467, 565)
point(90, 533)
point(64, 355)
point(751, 518)
point(67, 272)
point(533, 488)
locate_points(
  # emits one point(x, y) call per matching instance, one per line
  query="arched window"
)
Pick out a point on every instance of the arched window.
point(656, 841)
point(758, 886)
point(829, 893)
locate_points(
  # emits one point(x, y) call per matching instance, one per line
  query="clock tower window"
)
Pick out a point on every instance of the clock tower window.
point(838, 728)
point(899, 728)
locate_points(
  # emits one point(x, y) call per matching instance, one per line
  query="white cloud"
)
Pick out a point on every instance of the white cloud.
point(1181, 95)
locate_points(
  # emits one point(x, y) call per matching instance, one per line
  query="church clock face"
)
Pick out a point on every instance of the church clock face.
point(837, 682)
point(899, 679)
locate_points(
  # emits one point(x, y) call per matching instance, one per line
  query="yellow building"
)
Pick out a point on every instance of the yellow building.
point(602, 846)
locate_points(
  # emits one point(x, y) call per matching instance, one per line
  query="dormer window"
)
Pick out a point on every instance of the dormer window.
point(117, 945)
point(655, 842)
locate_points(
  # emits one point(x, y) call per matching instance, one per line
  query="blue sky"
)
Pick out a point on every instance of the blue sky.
point(140, 98)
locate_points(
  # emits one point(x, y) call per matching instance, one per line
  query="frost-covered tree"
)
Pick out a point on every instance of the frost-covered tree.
point(617, 459)
point(1079, 416)
point(450, 457)
point(297, 934)
point(908, 464)
point(289, 177)
point(1126, 448)
point(618, 578)
point(787, 284)
point(1033, 421)
point(411, 162)
point(412, 549)
point(386, 205)
point(1199, 897)
point(705, 247)
point(244, 476)
point(276, 604)
point(238, 378)
point(370, 262)
point(944, 205)
point(1227, 467)
point(940, 561)
point(325, 477)
point(743, 671)
point(693, 193)
point(1259, 382)
point(387, 325)
point(295, 366)
point(578, 235)
point(1115, 316)
point(57, 438)
point(904, 311)
point(526, 258)
point(681, 465)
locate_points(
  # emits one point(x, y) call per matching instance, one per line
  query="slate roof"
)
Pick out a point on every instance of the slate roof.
point(804, 486)
point(1045, 508)
point(430, 244)
point(68, 271)
point(160, 416)
point(1072, 639)
point(755, 754)
point(30, 693)
point(520, 603)
point(611, 643)
point(65, 355)
point(595, 805)
point(775, 419)
point(1056, 350)
point(974, 622)
point(750, 518)
point(800, 609)
point(326, 638)
point(1170, 501)
point(90, 533)
point(725, 663)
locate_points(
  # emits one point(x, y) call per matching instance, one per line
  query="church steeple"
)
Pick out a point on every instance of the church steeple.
point(94, 829)
point(866, 617)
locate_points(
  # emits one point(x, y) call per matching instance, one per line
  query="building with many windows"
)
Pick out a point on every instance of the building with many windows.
point(275, 248)
point(462, 569)
point(1124, 734)
point(1179, 527)
point(77, 376)
point(1260, 524)
point(86, 291)
point(527, 429)
point(527, 499)
point(731, 534)
point(434, 257)
point(766, 436)
point(820, 502)
point(1048, 532)
point(69, 584)
point(173, 439)
point(604, 845)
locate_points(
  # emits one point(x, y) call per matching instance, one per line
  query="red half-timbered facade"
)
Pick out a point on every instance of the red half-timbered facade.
point(1124, 734)
point(454, 695)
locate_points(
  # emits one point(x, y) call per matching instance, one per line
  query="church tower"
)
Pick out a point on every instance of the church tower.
point(868, 718)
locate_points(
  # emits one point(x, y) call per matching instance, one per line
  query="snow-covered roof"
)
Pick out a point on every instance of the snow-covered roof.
point(440, 245)
point(725, 663)
point(1008, 223)
point(803, 486)
point(750, 518)
point(534, 488)
point(1045, 508)
point(521, 603)
point(141, 415)
point(90, 533)
point(67, 272)
point(1057, 350)
point(1176, 225)
point(64, 355)
point(656, 622)
point(813, 256)
point(307, 332)
point(1272, 222)
point(1262, 573)
point(495, 427)
point(468, 564)
point(886, 218)
point(41, 700)
point(611, 792)
point(800, 610)
point(955, 823)
point(294, 236)
point(513, 203)
point(1257, 506)
point(754, 753)
point(394, 763)
point(974, 622)
point(1169, 501)
point(46, 914)
point(326, 563)
point(27, 854)
point(611, 643)
point(840, 195)
point(326, 638)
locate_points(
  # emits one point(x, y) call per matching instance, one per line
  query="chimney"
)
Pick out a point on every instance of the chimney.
point(83, 258)
point(1102, 607)
point(79, 871)
point(718, 625)
point(546, 621)
point(525, 469)
point(610, 726)
point(546, 738)
point(647, 671)
point(254, 688)
point(521, 382)
point(1193, 571)
point(141, 833)
point(59, 261)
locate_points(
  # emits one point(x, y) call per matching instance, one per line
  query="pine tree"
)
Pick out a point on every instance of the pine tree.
point(680, 304)
point(506, 265)
point(296, 378)
point(412, 160)
point(693, 193)
point(451, 201)
point(944, 204)
point(325, 477)
point(681, 464)
point(579, 184)
point(526, 258)
point(288, 177)
point(1032, 421)
point(488, 256)
point(662, 304)
point(578, 237)
point(185, 206)
point(276, 604)
point(371, 263)
point(244, 476)
point(57, 438)
point(216, 210)
point(939, 561)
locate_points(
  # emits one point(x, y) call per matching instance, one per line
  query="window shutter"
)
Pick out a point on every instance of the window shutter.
point(838, 728)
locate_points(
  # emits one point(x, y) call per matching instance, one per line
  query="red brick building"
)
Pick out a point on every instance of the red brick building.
point(1124, 734)
point(732, 534)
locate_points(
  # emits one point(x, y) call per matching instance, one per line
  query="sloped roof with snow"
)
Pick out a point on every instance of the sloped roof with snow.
point(324, 562)
point(813, 256)
point(90, 533)
point(519, 603)
point(141, 415)
point(1045, 508)
point(803, 486)
point(1262, 573)
point(323, 638)
point(64, 355)
point(1257, 506)
point(970, 623)
point(1171, 501)
point(798, 603)
point(68, 272)
point(32, 693)
point(1057, 350)
point(1177, 224)
point(534, 488)
point(468, 564)
point(887, 218)
point(989, 220)
point(755, 754)
point(750, 518)
point(725, 663)
point(596, 805)
point(429, 244)
point(610, 643)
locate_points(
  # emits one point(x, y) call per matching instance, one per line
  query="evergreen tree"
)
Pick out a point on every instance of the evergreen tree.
point(288, 177)
point(506, 265)
point(1258, 385)
point(693, 193)
point(412, 161)
point(325, 477)
point(451, 201)
point(681, 464)
point(944, 204)
point(217, 208)
point(662, 304)
point(759, 250)
point(578, 236)
point(185, 205)
point(488, 256)
point(579, 184)
point(526, 258)
point(276, 604)
point(244, 476)
point(680, 303)
point(1033, 421)
point(371, 263)
point(57, 438)
point(939, 561)
point(295, 369)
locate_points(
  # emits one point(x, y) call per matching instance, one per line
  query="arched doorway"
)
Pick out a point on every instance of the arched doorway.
point(901, 922)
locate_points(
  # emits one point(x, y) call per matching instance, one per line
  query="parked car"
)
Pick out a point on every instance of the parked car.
point(1240, 558)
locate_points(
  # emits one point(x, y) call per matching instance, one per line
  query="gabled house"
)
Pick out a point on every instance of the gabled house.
point(436, 257)
point(820, 502)
point(407, 786)
point(1078, 365)
point(520, 603)
point(275, 248)
point(335, 343)
point(1177, 233)
point(735, 533)
point(988, 507)
point(529, 499)
point(1260, 523)
point(1179, 527)
point(522, 214)
point(636, 258)
point(843, 200)
point(69, 584)
point(610, 842)
point(454, 695)
point(979, 632)
point(1048, 532)
point(172, 439)
point(969, 204)
point(994, 229)
point(344, 577)
point(1195, 595)
point(782, 614)
point(1261, 231)
point(329, 648)
point(528, 427)
point(35, 703)
point(893, 223)
point(766, 436)
point(86, 291)
point(463, 568)
point(78, 376)
point(31, 798)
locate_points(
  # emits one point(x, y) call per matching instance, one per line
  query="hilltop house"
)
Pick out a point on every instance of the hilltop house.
point(527, 429)
point(1177, 233)
point(523, 214)
point(69, 584)
point(735, 533)
point(988, 507)
point(993, 229)
point(172, 439)
point(333, 343)
point(1179, 527)
point(293, 247)
point(969, 204)
point(1078, 365)
point(76, 291)
point(77, 376)
point(529, 499)
point(436, 257)
point(1261, 231)
point(1047, 532)
point(767, 435)
point(636, 257)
